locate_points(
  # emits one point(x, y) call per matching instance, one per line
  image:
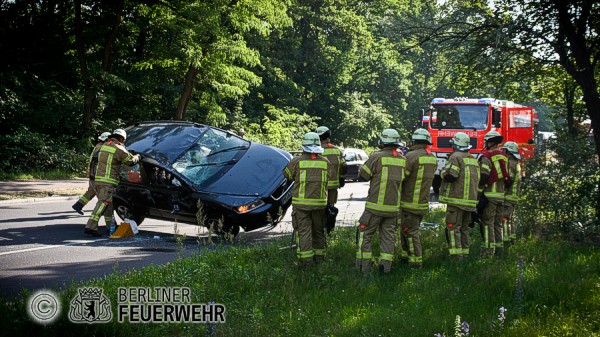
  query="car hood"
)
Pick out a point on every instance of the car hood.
point(257, 173)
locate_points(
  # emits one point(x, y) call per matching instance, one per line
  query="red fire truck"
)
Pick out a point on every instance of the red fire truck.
point(444, 117)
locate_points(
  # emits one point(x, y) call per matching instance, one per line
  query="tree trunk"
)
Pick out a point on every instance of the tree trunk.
point(186, 95)
point(95, 84)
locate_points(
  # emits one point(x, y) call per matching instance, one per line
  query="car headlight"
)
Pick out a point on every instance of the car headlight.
point(250, 206)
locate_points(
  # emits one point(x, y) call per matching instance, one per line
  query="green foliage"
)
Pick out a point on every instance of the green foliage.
point(283, 128)
point(561, 195)
point(26, 151)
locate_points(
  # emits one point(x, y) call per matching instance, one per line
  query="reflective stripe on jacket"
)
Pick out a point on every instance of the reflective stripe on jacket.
point(111, 156)
point(310, 173)
point(493, 164)
point(420, 169)
point(336, 159)
point(514, 169)
point(461, 193)
point(385, 170)
point(94, 161)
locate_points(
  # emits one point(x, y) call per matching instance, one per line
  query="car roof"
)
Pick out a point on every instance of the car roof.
point(165, 141)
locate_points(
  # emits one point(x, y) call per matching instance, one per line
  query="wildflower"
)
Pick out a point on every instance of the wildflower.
point(501, 316)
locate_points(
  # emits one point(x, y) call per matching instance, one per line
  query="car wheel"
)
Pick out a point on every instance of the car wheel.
point(124, 211)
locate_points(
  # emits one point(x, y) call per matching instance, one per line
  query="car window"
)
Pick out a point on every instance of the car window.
point(350, 156)
point(212, 151)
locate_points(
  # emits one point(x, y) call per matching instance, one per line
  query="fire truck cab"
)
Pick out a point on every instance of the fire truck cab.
point(445, 117)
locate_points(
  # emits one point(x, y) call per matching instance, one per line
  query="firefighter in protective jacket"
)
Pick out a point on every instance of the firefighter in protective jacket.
point(459, 191)
point(511, 195)
point(111, 156)
point(336, 159)
point(494, 177)
point(419, 172)
point(385, 171)
point(91, 192)
point(311, 173)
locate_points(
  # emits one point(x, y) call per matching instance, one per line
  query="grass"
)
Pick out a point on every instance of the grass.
point(548, 289)
point(44, 175)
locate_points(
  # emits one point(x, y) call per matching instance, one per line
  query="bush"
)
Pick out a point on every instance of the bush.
point(560, 192)
point(28, 151)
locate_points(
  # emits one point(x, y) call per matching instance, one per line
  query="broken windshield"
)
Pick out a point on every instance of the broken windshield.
point(459, 116)
point(213, 151)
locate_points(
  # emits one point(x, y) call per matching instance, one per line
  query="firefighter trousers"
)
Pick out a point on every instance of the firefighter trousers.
point(491, 220)
point(411, 240)
point(510, 233)
point(369, 224)
point(457, 231)
point(104, 206)
point(89, 194)
point(310, 234)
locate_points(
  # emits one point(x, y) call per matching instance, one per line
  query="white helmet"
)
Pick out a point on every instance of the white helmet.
point(120, 132)
point(461, 141)
point(104, 136)
point(311, 143)
point(421, 135)
point(513, 148)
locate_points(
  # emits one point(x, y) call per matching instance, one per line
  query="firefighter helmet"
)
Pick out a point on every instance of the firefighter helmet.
point(311, 143)
point(104, 136)
point(493, 138)
point(391, 137)
point(421, 136)
point(323, 132)
point(461, 141)
point(512, 148)
point(121, 133)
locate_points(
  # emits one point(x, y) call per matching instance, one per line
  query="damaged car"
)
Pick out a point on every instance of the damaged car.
point(202, 175)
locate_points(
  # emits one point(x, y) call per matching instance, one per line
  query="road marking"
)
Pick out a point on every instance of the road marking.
point(46, 247)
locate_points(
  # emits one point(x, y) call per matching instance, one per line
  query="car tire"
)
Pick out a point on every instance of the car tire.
point(125, 211)
point(226, 230)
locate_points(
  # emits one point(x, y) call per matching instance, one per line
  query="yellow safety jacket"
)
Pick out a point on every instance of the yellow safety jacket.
point(310, 173)
point(111, 156)
point(512, 194)
point(494, 166)
point(385, 170)
point(420, 169)
point(336, 159)
point(462, 193)
point(94, 161)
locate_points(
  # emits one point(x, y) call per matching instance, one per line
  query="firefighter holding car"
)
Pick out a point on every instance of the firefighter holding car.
point(459, 192)
point(336, 159)
point(494, 178)
point(311, 173)
point(385, 171)
point(111, 156)
point(414, 203)
point(511, 195)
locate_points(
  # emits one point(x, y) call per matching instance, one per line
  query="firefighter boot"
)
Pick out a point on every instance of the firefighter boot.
point(78, 207)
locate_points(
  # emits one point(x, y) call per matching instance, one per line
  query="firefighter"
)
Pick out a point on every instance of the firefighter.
point(385, 171)
point(111, 156)
point(310, 172)
point(459, 192)
point(336, 159)
point(511, 195)
point(241, 132)
point(494, 176)
point(91, 193)
point(420, 168)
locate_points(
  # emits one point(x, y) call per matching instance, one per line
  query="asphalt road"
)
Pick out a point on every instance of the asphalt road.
point(42, 243)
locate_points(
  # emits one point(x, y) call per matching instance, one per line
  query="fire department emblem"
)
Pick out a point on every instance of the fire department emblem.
point(90, 306)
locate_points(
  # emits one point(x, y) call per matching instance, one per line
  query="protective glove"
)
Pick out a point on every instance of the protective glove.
point(342, 182)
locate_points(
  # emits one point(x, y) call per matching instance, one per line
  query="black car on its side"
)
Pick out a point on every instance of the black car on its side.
point(202, 175)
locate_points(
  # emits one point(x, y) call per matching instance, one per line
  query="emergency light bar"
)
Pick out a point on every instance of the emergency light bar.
point(485, 100)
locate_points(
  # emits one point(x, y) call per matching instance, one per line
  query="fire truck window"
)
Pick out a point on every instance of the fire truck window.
point(460, 116)
point(520, 119)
